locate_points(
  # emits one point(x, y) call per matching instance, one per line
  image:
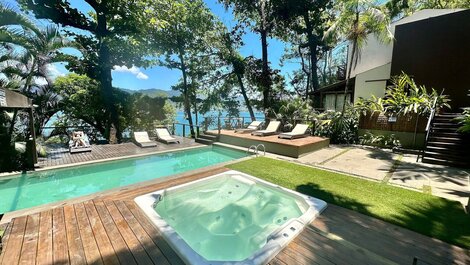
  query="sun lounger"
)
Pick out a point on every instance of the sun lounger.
point(299, 131)
point(254, 126)
point(163, 135)
point(142, 139)
point(79, 143)
point(272, 129)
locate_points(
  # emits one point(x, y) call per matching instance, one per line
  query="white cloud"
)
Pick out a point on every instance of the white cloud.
point(142, 76)
point(53, 71)
point(133, 70)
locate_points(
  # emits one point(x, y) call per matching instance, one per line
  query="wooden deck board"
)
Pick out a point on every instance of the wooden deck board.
point(30, 242)
point(61, 155)
point(113, 230)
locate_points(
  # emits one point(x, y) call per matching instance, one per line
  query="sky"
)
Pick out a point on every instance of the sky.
point(135, 78)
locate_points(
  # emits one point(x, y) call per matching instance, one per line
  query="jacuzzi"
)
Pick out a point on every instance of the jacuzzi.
point(229, 218)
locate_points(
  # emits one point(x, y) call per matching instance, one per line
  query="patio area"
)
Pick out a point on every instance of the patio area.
point(59, 156)
point(395, 169)
point(113, 230)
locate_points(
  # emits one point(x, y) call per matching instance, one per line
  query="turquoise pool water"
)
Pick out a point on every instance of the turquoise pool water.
point(33, 189)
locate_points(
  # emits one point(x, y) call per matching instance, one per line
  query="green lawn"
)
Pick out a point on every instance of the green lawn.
point(423, 213)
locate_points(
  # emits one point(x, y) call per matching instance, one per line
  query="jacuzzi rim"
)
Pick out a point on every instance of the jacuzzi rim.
point(276, 241)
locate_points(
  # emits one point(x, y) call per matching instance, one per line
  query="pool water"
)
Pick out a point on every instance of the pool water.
point(33, 189)
point(227, 219)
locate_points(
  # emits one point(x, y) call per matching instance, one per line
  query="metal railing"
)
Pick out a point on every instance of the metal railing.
point(428, 128)
point(255, 149)
point(184, 125)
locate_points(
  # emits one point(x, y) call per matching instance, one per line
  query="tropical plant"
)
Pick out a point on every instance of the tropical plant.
point(295, 111)
point(403, 8)
point(404, 97)
point(356, 20)
point(388, 141)
point(464, 121)
point(340, 127)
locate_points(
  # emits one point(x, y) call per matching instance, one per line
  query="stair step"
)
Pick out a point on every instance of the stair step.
point(446, 156)
point(208, 137)
point(448, 150)
point(444, 162)
point(445, 134)
point(204, 141)
point(445, 124)
point(446, 144)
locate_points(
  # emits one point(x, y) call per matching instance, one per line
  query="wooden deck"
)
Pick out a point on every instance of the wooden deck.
point(292, 148)
point(61, 155)
point(113, 230)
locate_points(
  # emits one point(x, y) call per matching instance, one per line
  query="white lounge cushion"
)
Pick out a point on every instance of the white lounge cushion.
point(273, 126)
point(254, 125)
point(141, 137)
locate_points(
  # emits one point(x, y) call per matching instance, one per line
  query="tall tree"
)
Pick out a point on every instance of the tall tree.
point(183, 42)
point(228, 52)
point(356, 20)
point(258, 15)
point(307, 21)
point(110, 34)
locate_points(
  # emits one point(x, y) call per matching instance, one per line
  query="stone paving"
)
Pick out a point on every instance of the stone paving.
point(395, 169)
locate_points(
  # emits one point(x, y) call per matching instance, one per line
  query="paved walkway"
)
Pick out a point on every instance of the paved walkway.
point(395, 169)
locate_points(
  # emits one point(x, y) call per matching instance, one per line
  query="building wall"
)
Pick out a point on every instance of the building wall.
point(372, 82)
point(436, 52)
point(376, 53)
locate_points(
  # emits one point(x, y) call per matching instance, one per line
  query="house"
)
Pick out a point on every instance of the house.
point(432, 45)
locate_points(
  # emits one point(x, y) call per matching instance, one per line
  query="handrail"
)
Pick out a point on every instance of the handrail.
point(428, 127)
point(255, 150)
point(264, 148)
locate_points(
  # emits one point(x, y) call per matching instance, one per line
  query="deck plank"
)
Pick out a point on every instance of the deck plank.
point(74, 241)
point(59, 238)
point(150, 247)
point(45, 250)
point(6, 236)
point(132, 242)
point(15, 241)
point(119, 245)
point(104, 244)
point(30, 242)
point(156, 236)
point(90, 247)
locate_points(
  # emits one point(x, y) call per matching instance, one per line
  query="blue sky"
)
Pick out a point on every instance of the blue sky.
point(159, 77)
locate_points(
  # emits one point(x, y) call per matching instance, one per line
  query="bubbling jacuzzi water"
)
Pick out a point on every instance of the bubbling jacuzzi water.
point(229, 218)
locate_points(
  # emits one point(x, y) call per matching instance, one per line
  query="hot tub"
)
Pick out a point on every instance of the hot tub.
point(229, 218)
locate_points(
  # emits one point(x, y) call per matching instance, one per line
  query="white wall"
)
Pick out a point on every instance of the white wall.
point(366, 86)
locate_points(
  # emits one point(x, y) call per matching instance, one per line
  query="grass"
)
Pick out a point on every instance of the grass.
point(423, 213)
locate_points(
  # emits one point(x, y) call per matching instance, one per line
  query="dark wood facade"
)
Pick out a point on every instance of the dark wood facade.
point(436, 52)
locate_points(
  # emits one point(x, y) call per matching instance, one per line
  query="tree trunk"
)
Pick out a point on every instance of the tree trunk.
point(106, 79)
point(348, 76)
point(186, 103)
point(247, 100)
point(312, 46)
point(265, 75)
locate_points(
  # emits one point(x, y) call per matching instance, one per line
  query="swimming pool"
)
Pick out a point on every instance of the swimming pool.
point(33, 189)
point(229, 218)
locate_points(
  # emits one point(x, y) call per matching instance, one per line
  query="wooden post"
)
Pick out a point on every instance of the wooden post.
point(184, 130)
point(33, 135)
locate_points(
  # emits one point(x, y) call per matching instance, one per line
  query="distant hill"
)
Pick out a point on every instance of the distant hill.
point(154, 92)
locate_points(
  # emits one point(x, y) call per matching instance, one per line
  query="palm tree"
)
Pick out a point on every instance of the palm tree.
point(357, 19)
